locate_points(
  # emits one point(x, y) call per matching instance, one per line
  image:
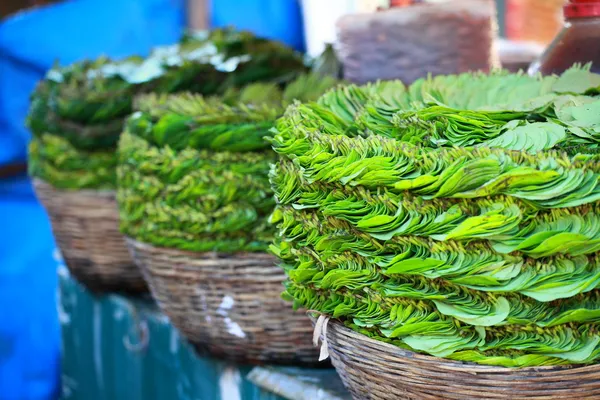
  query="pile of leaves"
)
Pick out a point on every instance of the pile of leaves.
point(193, 171)
point(77, 112)
point(458, 217)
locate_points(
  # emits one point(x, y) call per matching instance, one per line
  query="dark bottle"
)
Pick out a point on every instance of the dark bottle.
point(578, 41)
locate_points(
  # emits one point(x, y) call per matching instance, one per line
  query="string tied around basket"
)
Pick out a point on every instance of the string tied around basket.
point(320, 331)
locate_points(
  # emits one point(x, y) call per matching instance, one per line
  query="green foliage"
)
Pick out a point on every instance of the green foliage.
point(458, 217)
point(328, 63)
point(193, 171)
point(87, 103)
point(194, 199)
point(53, 159)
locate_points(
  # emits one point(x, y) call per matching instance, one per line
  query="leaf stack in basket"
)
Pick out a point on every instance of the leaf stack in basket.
point(77, 116)
point(194, 198)
point(458, 218)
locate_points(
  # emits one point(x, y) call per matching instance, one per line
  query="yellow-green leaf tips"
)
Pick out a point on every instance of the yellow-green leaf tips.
point(458, 217)
point(193, 171)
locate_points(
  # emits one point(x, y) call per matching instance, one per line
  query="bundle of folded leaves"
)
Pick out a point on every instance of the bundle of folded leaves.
point(77, 112)
point(458, 217)
point(193, 171)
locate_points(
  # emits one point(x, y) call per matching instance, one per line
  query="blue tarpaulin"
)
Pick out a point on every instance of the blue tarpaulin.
point(275, 19)
point(30, 43)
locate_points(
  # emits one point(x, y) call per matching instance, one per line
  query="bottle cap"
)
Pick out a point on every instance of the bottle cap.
point(582, 9)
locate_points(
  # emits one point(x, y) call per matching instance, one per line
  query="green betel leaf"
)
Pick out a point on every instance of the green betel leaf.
point(576, 80)
point(582, 354)
point(87, 103)
point(413, 265)
point(586, 115)
point(564, 106)
point(171, 130)
point(54, 160)
point(457, 217)
point(496, 315)
point(531, 138)
point(193, 172)
point(443, 346)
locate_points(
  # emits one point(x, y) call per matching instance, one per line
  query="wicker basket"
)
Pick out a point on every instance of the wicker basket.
point(372, 369)
point(228, 305)
point(86, 228)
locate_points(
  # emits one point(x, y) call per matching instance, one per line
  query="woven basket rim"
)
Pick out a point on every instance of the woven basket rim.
point(212, 300)
point(87, 192)
point(463, 366)
point(215, 254)
point(85, 224)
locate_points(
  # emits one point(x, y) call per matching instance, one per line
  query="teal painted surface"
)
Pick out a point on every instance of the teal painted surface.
point(105, 356)
point(501, 6)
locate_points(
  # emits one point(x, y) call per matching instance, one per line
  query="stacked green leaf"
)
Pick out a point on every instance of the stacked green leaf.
point(77, 112)
point(193, 171)
point(458, 217)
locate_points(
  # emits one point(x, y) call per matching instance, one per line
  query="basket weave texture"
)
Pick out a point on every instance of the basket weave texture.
point(227, 305)
point(86, 227)
point(375, 370)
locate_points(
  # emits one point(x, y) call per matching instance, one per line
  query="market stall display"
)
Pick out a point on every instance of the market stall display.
point(77, 116)
point(194, 199)
point(456, 217)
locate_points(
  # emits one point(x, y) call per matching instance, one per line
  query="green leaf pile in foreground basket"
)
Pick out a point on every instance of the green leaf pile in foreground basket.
point(458, 217)
point(193, 172)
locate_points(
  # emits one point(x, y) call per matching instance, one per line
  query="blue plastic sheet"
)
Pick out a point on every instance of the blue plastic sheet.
point(275, 19)
point(32, 41)
point(29, 331)
point(29, 44)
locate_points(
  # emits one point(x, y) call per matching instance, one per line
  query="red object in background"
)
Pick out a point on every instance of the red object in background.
point(533, 20)
point(578, 42)
point(582, 9)
point(400, 3)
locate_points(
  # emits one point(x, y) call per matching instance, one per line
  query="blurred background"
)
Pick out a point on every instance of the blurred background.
point(34, 34)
